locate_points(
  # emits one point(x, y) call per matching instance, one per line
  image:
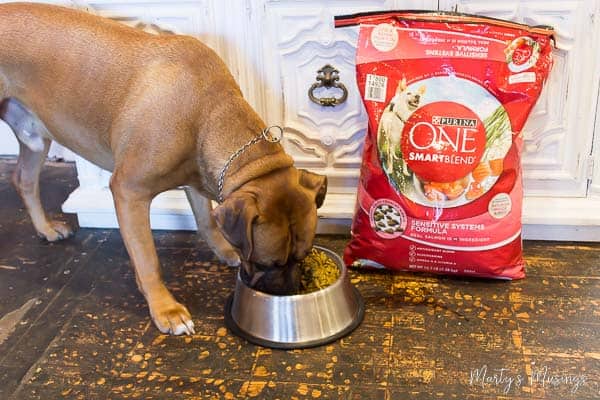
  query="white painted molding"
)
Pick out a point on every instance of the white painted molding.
point(95, 209)
point(544, 218)
point(568, 233)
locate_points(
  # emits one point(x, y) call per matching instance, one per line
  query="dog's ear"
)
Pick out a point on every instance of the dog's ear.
point(401, 86)
point(422, 89)
point(316, 183)
point(234, 218)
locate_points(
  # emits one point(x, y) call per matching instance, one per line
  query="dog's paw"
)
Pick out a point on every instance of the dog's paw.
point(55, 231)
point(172, 318)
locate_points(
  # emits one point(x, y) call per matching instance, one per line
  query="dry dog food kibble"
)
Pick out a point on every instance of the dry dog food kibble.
point(447, 96)
point(318, 271)
point(387, 219)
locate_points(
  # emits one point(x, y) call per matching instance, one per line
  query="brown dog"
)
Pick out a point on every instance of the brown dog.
point(160, 112)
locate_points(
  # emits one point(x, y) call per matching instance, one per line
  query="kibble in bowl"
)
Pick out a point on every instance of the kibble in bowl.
point(327, 308)
point(318, 271)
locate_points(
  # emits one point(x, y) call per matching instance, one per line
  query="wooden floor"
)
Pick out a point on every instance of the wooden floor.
point(72, 325)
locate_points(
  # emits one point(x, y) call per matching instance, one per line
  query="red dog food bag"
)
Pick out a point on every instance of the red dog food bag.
point(447, 96)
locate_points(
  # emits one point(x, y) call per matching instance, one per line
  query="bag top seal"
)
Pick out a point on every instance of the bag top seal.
point(435, 16)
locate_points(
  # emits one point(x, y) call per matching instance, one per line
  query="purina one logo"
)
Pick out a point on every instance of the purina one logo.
point(453, 121)
point(443, 141)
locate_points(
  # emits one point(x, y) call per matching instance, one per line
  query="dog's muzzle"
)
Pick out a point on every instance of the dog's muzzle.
point(277, 280)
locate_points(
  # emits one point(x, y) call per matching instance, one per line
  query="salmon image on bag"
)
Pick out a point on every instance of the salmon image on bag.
point(447, 96)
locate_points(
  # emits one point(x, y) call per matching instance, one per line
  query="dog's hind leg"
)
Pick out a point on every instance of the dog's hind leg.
point(207, 227)
point(33, 148)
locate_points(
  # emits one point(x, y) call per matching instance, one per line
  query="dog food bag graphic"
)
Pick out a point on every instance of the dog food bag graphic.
point(447, 96)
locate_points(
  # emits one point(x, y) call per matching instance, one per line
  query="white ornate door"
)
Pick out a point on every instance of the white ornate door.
point(274, 50)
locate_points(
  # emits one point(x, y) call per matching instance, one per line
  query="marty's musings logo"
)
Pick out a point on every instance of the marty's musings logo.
point(506, 380)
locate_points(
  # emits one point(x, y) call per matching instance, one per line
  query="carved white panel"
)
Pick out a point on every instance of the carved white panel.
point(319, 136)
point(193, 18)
point(301, 39)
point(558, 134)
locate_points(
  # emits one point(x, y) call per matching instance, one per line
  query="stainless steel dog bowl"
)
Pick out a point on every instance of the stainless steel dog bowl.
point(295, 321)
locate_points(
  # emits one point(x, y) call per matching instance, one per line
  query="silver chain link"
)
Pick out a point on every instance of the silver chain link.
point(265, 134)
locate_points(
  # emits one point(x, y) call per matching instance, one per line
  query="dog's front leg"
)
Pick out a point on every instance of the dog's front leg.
point(207, 227)
point(133, 213)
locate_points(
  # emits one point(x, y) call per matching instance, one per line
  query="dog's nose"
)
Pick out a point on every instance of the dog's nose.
point(300, 255)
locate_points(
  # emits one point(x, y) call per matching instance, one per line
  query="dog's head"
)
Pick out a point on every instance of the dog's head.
point(272, 221)
point(406, 101)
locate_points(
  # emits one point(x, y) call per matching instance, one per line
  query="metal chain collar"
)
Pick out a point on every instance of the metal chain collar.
point(265, 134)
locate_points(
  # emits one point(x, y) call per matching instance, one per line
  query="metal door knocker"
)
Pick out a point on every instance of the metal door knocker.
point(328, 77)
